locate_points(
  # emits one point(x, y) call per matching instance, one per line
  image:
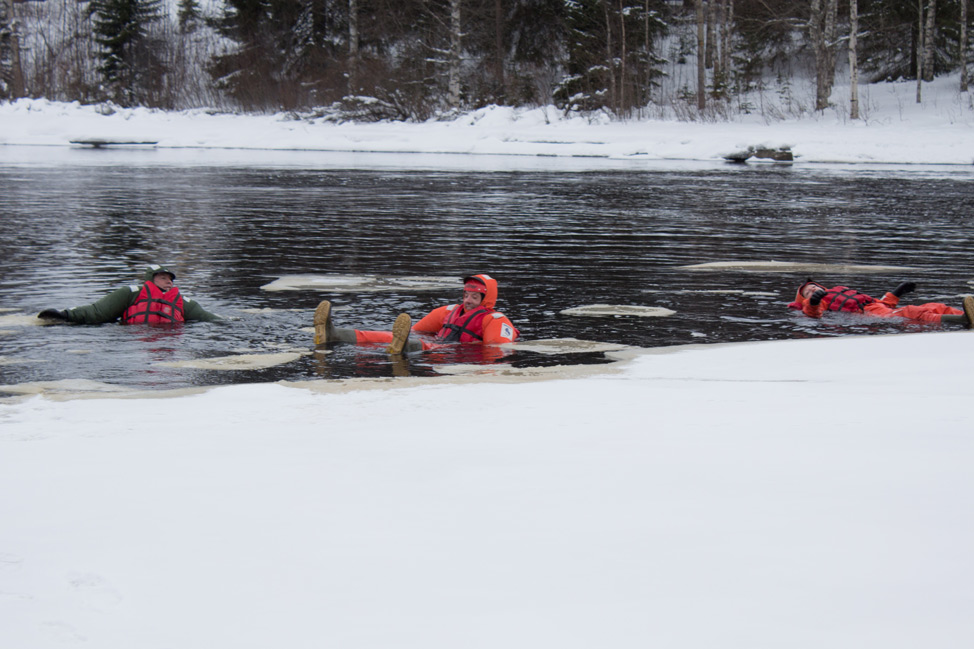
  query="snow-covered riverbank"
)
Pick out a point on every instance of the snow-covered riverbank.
point(894, 130)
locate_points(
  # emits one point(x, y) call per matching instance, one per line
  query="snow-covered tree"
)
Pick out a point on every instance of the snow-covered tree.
point(129, 61)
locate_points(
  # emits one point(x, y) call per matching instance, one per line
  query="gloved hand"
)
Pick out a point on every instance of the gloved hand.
point(904, 288)
point(53, 314)
point(816, 298)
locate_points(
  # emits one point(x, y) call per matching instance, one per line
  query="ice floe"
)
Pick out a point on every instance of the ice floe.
point(564, 346)
point(618, 309)
point(793, 267)
point(360, 283)
point(237, 362)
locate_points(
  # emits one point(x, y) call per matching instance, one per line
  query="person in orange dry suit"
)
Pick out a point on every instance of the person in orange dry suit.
point(474, 320)
point(813, 299)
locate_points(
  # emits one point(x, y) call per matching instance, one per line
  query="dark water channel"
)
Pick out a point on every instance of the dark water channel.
point(553, 239)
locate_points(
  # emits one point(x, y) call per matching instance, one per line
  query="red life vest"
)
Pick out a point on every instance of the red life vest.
point(843, 298)
point(466, 328)
point(152, 306)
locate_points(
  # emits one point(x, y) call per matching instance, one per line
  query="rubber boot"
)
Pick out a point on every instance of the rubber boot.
point(948, 318)
point(325, 331)
point(400, 333)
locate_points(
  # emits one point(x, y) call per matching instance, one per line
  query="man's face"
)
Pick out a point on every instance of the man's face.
point(471, 300)
point(808, 289)
point(162, 280)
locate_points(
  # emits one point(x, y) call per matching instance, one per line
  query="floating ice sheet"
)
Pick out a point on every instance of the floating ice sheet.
point(564, 346)
point(24, 320)
point(714, 291)
point(237, 362)
point(461, 369)
point(361, 283)
point(618, 309)
point(7, 360)
point(793, 267)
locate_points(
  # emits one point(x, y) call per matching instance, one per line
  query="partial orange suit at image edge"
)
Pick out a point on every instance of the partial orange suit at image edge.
point(814, 299)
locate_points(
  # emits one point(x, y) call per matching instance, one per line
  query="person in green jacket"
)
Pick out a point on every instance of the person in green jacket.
point(156, 301)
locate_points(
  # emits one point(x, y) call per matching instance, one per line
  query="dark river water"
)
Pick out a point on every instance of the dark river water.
point(556, 239)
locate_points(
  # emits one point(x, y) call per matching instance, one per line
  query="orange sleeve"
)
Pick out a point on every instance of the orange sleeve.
point(433, 321)
point(499, 329)
point(890, 300)
point(813, 311)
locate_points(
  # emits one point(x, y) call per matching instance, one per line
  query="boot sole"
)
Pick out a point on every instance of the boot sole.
point(400, 333)
point(321, 322)
point(969, 311)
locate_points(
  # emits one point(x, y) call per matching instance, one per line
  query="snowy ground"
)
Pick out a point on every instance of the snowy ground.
point(800, 494)
point(894, 129)
point(754, 496)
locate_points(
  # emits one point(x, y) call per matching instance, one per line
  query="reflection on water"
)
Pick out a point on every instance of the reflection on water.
point(556, 241)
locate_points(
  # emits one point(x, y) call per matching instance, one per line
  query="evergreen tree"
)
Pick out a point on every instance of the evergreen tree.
point(288, 53)
point(610, 63)
point(129, 64)
point(189, 15)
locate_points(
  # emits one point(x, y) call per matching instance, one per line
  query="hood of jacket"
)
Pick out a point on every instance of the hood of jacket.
point(155, 269)
point(490, 299)
point(800, 301)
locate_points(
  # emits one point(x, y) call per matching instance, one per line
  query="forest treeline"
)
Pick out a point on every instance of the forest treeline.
point(413, 59)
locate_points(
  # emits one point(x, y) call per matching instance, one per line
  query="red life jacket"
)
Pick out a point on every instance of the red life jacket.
point(843, 298)
point(152, 306)
point(466, 328)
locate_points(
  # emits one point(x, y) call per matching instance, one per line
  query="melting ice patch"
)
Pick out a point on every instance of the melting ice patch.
point(564, 346)
point(618, 309)
point(23, 320)
point(714, 291)
point(462, 369)
point(793, 267)
point(237, 362)
point(360, 283)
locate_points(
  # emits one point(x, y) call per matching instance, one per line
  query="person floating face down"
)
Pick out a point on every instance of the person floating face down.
point(813, 299)
point(473, 320)
point(156, 301)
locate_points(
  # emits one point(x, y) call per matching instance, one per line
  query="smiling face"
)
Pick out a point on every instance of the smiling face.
point(471, 300)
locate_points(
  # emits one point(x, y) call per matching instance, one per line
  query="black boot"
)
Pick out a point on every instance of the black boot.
point(955, 319)
point(967, 319)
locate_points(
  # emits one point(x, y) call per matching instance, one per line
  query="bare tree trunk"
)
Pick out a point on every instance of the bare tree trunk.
point(818, 48)
point(727, 22)
point(353, 55)
point(853, 59)
point(499, 49)
point(613, 90)
point(829, 35)
point(701, 58)
point(710, 53)
point(623, 104)
point(919, 49)
point(821, 30)
point(11, 72)
point(648, 44)
point(963, 45)
point(929, 28)
point(929, 40)
point(453, 84)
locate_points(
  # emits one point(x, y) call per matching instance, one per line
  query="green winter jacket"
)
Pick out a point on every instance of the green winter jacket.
point(112, 306)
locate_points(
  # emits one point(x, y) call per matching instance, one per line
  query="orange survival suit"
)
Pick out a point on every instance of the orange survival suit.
point(451, 323)
point(843, 298)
